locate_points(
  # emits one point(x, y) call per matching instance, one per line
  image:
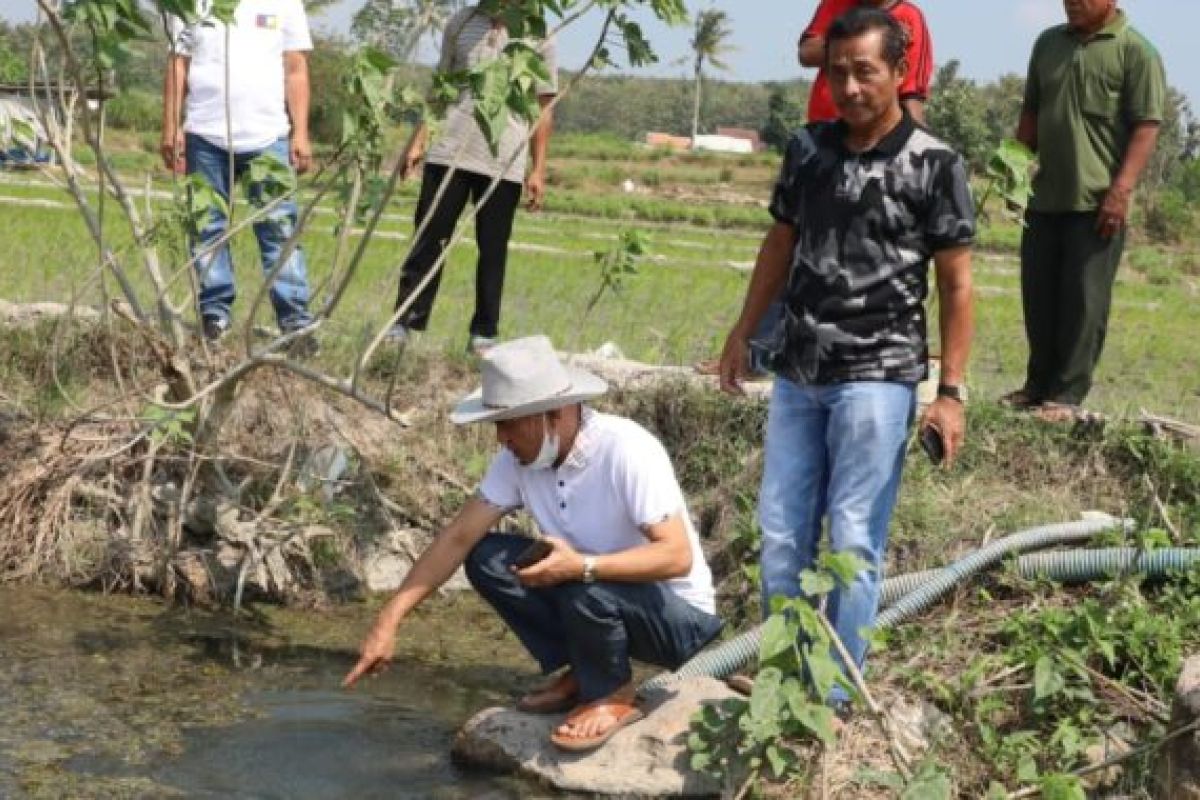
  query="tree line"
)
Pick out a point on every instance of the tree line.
point(973, 116)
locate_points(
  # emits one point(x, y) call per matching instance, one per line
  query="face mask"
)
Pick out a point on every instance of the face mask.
point(549, 452)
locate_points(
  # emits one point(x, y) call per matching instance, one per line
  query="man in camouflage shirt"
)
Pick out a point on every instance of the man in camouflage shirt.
point(861, 206)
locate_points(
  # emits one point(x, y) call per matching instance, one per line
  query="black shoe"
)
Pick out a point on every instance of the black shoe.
point(214, 327)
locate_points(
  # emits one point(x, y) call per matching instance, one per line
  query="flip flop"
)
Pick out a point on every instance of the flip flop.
point(552, 697)
point(1057, 413)
point(623, 714)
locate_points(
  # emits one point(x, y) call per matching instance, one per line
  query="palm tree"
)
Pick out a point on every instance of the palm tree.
point(709, 44)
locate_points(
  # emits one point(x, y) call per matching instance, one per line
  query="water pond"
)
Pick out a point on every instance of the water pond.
point(118, 697)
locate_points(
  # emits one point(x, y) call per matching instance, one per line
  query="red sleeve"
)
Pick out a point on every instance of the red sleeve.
point(827, 11)
point(920, 53)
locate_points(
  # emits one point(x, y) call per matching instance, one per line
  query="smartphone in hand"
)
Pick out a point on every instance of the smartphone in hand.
point(535, 552)
point(933, 445)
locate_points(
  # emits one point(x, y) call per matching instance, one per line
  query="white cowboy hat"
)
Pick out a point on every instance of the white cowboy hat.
point(524, 377)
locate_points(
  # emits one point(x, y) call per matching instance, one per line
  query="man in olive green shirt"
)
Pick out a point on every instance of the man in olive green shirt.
point(1094, 101)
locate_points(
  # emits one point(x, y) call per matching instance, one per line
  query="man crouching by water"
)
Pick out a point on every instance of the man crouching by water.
point(624, 576)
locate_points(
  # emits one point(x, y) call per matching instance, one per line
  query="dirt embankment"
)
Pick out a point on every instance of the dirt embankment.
point(307, 495)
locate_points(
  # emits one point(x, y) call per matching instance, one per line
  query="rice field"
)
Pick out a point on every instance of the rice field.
point(678, 307)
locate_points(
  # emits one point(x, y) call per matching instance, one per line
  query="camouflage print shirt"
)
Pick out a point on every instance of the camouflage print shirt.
point(867, 225)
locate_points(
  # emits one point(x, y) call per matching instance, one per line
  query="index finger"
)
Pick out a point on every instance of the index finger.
point(365, 665)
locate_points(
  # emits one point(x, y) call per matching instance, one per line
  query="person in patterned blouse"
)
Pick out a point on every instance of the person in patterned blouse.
point(861, 207)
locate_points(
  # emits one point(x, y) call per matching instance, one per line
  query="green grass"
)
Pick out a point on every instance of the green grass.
point(676, 310)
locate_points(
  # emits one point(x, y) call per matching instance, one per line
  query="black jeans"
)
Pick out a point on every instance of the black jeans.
point(597, 627)
point(1067, 275)
point(493, 227)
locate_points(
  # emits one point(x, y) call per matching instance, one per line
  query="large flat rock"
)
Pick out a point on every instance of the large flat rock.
point(647, 759)
point(1179, 768)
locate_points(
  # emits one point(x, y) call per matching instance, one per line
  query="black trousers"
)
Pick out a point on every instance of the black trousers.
point(1067, 275)
point(493, 227)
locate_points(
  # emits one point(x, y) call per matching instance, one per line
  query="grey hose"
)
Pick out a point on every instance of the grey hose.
point(946, 579)
point(736, 653)
point(1070, 566)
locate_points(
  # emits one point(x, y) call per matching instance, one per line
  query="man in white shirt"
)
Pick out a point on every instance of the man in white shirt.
point(623, 575)
point(460, 151)
point(266, 112)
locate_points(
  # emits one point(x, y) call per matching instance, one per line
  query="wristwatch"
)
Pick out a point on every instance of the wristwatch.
point(589, 569)
point(958, 392)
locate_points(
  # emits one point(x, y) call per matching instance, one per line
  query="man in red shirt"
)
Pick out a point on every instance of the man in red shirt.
point(915, 89)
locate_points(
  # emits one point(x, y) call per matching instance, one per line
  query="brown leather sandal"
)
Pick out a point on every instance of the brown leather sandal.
point(558, 694)
point(622, 712)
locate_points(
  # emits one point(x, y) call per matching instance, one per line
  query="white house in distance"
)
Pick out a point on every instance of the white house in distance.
point(22, 139)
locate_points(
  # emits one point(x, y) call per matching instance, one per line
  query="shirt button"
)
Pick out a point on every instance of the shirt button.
point(563, 504)
point(561, 484)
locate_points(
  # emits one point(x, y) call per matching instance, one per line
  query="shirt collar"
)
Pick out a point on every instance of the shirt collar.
point(585, 441)
point(889, 146)
point(1119, 23)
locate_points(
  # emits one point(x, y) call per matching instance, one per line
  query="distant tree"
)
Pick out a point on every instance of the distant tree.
point(956, 114)
point(785, 114)
point(1169, 189)
point(1002, 101)
point(629, 106)
point(13, 67)
point(709, 45)
point(397, 26)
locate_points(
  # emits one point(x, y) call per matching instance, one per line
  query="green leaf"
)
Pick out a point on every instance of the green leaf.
point(765, 698)
point(815, 718)
point(778, 638)
point(1047, 680)
point(637, 47)
point(1062, 787)
point(823, 670)
point(885, 780)
point(816, 584)
point(930, 783)
point(844, 566)
point(780, 760)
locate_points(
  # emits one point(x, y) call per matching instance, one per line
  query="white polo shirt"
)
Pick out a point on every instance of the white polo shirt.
point(616, 480)
point(262, 32)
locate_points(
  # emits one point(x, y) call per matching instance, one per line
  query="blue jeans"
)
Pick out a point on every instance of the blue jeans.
point(289, 292)
point(833, 451)
point(595, 628)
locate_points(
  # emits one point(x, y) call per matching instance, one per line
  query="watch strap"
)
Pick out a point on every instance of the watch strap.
point(954, 392)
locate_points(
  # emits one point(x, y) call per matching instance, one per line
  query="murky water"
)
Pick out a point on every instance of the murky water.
point(116, 697)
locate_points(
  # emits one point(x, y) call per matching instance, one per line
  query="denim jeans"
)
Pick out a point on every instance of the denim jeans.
point(289, 292)
point(833, 451)
point(595, 628)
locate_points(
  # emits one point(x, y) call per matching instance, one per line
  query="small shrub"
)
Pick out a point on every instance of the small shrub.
point(1169, 217)
point(134, 110)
